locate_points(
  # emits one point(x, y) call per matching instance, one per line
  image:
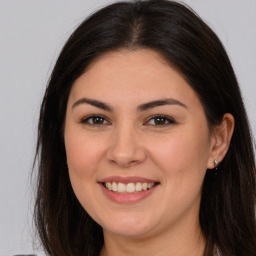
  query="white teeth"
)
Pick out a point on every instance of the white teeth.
point(109, 186)
point(128, 188)
point(145, 186)
point(138, 186)
point(150, 185)
point(114, 187)
point(121, 187)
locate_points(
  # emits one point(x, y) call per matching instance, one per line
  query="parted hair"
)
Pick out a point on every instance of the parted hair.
point(227, 210)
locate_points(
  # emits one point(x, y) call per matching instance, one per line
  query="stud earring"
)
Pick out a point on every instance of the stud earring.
point(215, 163)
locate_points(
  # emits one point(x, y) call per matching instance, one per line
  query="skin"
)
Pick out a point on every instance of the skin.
point(128, 141)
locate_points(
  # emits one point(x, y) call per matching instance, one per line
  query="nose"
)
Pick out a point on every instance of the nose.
point(126, 148)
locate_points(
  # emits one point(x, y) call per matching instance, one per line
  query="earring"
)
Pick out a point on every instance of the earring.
point(215, 162)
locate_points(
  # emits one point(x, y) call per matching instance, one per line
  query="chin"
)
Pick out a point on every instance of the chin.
point(128, 226)
point(127, 231)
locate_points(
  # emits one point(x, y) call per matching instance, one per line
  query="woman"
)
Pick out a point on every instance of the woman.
point(143, 142)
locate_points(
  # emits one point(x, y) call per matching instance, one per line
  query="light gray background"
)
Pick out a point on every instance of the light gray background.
point(31, 36)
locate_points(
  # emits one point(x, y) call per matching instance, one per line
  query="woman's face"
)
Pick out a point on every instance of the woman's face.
point(137, 144)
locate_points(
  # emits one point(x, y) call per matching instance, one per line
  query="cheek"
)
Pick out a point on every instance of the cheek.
point(182, 159)
point(183, 152)
point(83, 157)
point(83, 153)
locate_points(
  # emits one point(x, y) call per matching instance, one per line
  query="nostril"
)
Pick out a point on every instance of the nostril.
point(126, 158)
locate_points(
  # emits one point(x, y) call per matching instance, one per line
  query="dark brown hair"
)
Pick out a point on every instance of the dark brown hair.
point(227, 211)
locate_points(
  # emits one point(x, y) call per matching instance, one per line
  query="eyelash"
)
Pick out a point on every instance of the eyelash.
point(164, 120)
point(94, 118)
point(161, 118)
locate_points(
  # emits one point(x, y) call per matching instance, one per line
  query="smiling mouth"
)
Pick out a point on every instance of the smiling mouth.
point(122, 188)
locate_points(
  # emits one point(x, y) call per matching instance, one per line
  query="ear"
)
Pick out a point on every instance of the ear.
point(220, 140)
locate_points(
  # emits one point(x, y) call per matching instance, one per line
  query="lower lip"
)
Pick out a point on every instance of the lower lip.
point(127, 198)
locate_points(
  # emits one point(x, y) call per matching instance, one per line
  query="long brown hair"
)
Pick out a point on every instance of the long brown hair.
point(227, 211)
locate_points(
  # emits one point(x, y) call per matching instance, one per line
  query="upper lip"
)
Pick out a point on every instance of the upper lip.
point(126, 180)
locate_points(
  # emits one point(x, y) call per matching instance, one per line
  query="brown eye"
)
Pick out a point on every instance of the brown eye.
point(160, 120)
point(95, 120)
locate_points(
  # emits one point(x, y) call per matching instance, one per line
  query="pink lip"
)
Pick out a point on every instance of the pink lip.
point(126, 198)
point(126, 180)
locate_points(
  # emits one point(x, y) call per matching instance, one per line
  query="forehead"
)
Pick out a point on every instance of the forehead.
point(130, 75)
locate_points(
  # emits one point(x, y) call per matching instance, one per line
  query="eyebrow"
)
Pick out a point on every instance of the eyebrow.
point(142, 107)
point(158, 103)
point(94, 103)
